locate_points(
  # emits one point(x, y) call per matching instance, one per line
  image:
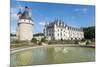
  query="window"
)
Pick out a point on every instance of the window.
point(61, 29)
point(58, 34)
point(58, 30)
point(61, 34)
point(49, 34)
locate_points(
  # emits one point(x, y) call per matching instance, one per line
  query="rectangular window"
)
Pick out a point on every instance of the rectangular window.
point(61, 29)
point(61, 34)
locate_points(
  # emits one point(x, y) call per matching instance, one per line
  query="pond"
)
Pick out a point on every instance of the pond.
point(52, 55)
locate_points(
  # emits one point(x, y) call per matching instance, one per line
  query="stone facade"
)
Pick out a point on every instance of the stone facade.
point(24, 25)
point(57, 30)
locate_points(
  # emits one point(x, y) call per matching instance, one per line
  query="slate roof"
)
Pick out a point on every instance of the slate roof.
point(25, 14)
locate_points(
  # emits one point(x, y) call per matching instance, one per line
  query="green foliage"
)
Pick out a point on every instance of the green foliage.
point(40, 43)
point(34, 40)
point(39, 34)
point(11, 34)
point(25, 44)
point(43, 39)
point(83, 40)
point(53, 42)
point(89, 33)
point(49, 42)
point(93, 40)
point(63, 42)
point(87, 42)
point(76, 42)
point(16, 41)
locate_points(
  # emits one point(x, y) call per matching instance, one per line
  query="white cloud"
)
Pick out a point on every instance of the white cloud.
point(42, 23)
point(14, 11)
point(77, 10)
point(13, 14)
point(83, 10)
point(73, 17)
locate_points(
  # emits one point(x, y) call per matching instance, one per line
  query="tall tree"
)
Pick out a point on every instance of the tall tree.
point(89, 32)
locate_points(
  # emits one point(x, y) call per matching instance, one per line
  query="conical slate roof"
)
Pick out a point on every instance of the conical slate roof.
point(25, 14)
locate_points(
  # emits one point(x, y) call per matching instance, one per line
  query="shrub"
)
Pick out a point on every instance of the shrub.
point(40, 43)
point(16, 41)
point(83, 40)
point(49, 42)
point(34, 40)
point(43, 39)
point(87, 42)
point(93, 40)
point(76, 42)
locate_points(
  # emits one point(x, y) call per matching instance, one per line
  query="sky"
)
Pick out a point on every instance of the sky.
point(71, 14)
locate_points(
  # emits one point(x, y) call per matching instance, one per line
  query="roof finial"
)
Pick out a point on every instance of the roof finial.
point(26, 7)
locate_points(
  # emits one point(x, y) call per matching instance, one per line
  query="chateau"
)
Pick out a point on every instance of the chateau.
point(57, 30)
point(25, 24)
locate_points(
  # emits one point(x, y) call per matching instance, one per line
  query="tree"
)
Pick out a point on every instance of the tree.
point(87, 42)
point(89, 32)
point(34, 40)
point(43, 39)
point(39, 34)
point(11, 34)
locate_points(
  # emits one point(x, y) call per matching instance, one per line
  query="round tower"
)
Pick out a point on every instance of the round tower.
point(25, 25)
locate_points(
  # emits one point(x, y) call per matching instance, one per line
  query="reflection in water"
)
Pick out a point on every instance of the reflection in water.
point(24, 58)
point(52, 55)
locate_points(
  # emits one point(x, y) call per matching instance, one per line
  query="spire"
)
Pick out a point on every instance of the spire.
point(19, 14)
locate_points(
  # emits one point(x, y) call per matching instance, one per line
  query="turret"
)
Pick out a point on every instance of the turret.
point(19, 14)
point(25, 24)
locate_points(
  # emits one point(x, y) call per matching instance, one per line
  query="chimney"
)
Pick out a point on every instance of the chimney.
point(26, 8)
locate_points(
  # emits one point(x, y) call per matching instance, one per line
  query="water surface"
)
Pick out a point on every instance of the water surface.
point(52, 55)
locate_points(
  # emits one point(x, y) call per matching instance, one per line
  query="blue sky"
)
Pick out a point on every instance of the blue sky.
point(73, 15)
